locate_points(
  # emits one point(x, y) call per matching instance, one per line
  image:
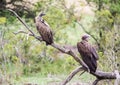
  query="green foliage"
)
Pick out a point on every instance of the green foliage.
point(106, 24)
point(112, 5)
point(115, 7)
point(55, 17)
point(2, 20)
point(14, 59)
point(45, 66)
point(104, 19)
point(6, 17)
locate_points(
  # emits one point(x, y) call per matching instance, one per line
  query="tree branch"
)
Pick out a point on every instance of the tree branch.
point(71, 75)
point(104, 75)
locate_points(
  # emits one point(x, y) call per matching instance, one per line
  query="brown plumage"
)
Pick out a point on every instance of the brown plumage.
point(44, 29)
point(88, 53)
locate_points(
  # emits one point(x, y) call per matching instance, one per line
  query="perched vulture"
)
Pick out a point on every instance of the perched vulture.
point(44, 29)
point(88, 53)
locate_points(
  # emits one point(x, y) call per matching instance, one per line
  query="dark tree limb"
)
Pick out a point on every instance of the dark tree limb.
point(104, 75)
point(100, 75)
point(71, 75)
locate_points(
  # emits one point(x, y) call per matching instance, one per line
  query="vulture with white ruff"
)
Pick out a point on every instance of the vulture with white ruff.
point(44, 29)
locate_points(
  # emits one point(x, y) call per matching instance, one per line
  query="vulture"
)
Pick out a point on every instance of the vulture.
point(88, 53)
point(44, 29)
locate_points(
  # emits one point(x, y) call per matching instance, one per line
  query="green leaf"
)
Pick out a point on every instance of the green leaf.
point(2, 20)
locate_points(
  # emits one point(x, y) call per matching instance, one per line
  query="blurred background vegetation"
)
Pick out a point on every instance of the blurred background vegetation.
point(24, 59)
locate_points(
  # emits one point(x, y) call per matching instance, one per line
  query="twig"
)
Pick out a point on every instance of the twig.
point(71, 75)
point(36, 37)
point(96, 81)
point(88, 33)
point(21, 31)
point(82, 73)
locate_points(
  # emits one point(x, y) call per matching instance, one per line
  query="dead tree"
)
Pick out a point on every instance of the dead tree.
point(100, 75)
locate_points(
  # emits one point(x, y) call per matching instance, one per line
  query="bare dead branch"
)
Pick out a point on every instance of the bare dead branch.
point(104, 75)
point(71, 75)
point(21, 20)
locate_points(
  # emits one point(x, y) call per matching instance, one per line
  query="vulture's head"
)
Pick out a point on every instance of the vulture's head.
point(85, 37)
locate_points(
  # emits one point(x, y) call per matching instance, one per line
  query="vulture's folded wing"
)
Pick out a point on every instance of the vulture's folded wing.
point(94, 53)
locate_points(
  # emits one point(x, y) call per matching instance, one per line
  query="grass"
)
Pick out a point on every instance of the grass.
point(38, 79)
